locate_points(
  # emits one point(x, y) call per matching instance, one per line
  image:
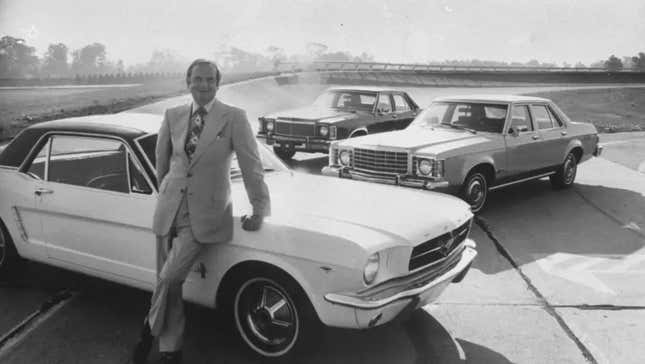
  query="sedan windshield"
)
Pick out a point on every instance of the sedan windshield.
point(347, 100)
point(270, 162)
point(463, 115)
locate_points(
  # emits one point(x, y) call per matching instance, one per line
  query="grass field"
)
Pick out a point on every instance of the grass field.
point(610, 110)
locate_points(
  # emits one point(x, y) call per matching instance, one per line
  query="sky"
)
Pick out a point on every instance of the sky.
point(402, 31)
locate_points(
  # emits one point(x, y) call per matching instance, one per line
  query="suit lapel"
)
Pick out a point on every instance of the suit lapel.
point(180, 128)
point(214, 123)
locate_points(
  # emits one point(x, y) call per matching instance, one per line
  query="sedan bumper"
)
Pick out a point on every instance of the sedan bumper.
point(299, 143)
point(395, 298)
point(598, 150)
point(344, 172)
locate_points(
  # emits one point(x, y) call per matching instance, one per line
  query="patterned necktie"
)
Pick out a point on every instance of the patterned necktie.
point(195, 129)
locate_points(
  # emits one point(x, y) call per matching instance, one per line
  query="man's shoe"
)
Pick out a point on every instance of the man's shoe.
point(170, 357)
point(141, 351)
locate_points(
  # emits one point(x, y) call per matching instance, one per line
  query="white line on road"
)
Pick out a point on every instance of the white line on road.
point(30, 324)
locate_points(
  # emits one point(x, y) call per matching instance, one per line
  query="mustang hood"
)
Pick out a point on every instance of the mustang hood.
point(311, 113)
point(417, 138)
point(374, 216)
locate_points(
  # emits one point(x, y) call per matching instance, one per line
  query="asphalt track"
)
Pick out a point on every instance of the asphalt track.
point(558, 279)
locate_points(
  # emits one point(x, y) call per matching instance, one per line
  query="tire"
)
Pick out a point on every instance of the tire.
point(566, 173)
point(284, 153)
point(280, 335)
point(475, 191)
point(9, 258)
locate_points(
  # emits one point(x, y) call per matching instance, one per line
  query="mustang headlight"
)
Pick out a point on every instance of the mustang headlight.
point(345, 157)
point(430, 167)
point(323, 130)
point(270, 125)
point(371, 268)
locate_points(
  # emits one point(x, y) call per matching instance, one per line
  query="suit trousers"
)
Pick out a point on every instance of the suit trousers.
point(175, 258)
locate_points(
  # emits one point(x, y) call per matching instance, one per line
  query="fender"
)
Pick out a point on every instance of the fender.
point(358, 130)
point(469, 163)
point(573, 143)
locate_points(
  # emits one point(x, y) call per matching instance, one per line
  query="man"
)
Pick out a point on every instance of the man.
point(194, 150)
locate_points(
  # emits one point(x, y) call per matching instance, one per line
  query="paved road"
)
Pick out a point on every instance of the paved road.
point(559, 279)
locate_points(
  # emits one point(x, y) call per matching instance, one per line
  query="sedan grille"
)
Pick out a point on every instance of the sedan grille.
point(299, 128)
point(437, 249)
point(381, 161)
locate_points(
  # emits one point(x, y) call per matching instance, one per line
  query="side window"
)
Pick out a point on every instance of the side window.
point(542, 118)
point(90, 162)
point(38, 165)
point(400, 104)
point(138, 183)
point(384, 103)
point(520, 118)
point(463, 114)
point(555, 117)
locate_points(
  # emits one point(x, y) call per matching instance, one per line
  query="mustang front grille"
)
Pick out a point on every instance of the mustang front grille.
point(300, 128)
point(439, 248)
point(381, 161)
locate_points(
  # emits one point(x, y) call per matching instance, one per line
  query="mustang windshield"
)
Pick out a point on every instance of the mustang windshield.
point(347, 100)
point(463, 115)
point(270, 162)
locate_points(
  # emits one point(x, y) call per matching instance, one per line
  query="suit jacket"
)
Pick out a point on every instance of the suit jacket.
point(205, 179)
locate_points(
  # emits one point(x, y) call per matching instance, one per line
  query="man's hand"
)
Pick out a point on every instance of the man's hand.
point(251, 223)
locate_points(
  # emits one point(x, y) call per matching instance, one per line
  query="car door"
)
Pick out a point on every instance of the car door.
point(523, 148)
point(554, 135)
point(404, 113)
point(384, 119)
point(96, 208)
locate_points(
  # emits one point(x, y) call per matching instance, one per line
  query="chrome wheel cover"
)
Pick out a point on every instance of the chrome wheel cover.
point(476, 191)
point(570, 167)
point(266, 317)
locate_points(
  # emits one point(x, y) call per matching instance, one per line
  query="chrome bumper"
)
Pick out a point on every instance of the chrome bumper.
point(305, 144)
point(598, 150)
point(414, 288)
point(344, 172)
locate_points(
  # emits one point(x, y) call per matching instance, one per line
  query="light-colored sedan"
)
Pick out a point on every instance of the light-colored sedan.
point(79, 194)
point(470, 145)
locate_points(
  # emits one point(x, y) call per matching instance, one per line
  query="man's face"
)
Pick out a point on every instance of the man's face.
point(202, 84)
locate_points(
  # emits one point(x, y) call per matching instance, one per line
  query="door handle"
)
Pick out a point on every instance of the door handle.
point(43, 191)
point(394, 116)
point(535, 137)
point(563, 132)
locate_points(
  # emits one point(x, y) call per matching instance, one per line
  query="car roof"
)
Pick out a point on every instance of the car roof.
point(126, 126)
point(495, 98)
point(364, 88)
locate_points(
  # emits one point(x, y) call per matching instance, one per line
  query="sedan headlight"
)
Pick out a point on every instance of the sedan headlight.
point(270, 125)
point(371, 268)
point(345, 157)
point(425, 167)
point(323, 130)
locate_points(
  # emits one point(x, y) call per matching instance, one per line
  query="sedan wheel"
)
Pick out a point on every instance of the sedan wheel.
point(566, 174)
point(267, 318)
point(475, 191)
point(284, 153)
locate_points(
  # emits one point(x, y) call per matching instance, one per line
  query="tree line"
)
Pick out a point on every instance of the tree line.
point(19, 60)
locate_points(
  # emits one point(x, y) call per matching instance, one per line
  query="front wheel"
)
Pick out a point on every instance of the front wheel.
point(272, 315)
point(284, 153)
point(566, 174)
point(475, 191)
point(9, 258)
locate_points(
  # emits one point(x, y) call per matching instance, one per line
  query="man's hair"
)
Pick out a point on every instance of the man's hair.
point(218, 75)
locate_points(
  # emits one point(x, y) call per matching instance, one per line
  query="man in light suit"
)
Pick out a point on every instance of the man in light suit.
point(194, 149)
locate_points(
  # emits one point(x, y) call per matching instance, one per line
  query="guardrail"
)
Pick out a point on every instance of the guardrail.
point(335, 66)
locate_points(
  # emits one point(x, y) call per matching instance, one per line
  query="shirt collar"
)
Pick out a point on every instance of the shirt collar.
point(194, 106)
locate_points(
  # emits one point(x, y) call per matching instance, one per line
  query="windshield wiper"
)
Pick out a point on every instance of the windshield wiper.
point(460, 127)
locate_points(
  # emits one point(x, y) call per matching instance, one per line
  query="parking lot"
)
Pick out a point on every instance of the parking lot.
point(558, 279)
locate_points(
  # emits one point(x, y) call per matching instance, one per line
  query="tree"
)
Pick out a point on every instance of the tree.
point(166, 61)
point(613, 64)
point(638, 62)
point(89, 59)
point(580, 65)
point(17, 59)
point(277, 55)
point(316, 50)
point(55, 60)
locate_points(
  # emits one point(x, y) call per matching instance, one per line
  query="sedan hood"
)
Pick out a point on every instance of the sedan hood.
point(374, 216)
point(415, 139)
point(311, 113)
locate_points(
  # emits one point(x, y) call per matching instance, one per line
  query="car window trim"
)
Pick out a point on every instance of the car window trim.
point(49, 134)
point(145, 156)
point(510, 117)
point(404, 100)
point(546, 107)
